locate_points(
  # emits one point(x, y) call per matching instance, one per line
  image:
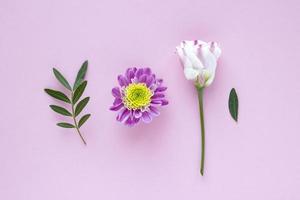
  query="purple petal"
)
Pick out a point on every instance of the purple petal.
point(116, 92)
point(134, 69)
point(117, 101)
point(159, 81)
point(116, 107)
point(157, 102)
point(164, 102)
point(154, 111)
point(137, 113)
point(158, 96)
point(131, 121)
point(146, 117)
point(123, 115)
point(147, 71)
point(143, 78)
point(139, 72)
point(130, 74)
point(128, 122)
point(153, 87)
point(136, 120)
point(150, 81)
point(161, 89)
point(122, 80)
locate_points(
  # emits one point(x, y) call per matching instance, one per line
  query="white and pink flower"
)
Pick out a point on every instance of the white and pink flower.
point(199, 60)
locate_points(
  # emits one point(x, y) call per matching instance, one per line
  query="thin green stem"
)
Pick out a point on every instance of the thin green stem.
point(75, 122)
point(200, 90)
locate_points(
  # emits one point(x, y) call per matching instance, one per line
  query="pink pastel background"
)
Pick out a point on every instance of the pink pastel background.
point(257, 158)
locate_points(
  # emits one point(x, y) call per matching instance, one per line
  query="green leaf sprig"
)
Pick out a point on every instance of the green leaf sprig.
point(77, 105)
point(233, 104)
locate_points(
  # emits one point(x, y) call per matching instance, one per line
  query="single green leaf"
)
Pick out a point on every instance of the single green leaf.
point(76, 85)
point(60, 110)
point(57, 95)
point(80, 75)
point(61, 79)
point(81, 105)
point(233, 104)
point(83, 119)
point(78, 92)
point(65, 125)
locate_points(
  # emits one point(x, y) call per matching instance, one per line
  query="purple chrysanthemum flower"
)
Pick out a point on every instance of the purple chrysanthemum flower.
point(138, 97)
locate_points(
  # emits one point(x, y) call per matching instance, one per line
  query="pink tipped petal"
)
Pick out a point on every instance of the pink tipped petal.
point(154, 111)
point(208, 58)
point(146, 117)
point(116, 92)
point(215, 49)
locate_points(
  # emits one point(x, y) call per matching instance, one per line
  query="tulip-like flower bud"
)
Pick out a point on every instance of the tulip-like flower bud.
point(199, 60)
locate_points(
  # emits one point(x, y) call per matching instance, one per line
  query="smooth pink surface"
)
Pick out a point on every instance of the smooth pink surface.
point(258, 158)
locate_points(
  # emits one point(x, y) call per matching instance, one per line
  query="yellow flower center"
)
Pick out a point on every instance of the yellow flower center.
point(137, 96)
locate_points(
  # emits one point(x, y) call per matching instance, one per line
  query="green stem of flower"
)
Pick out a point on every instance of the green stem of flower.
point(200, 90)
point(75, 123)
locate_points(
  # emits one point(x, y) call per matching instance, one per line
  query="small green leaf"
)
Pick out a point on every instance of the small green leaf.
point(79, 91)
point(81, 105)
point(83, 119)
point(77, 84)
point(80, 75)
point(57, 95)
point(65, 125)
point(233, 104)
point(60, 110)
point(61, 79)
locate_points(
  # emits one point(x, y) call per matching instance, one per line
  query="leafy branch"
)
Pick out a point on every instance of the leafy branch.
point(75, 94)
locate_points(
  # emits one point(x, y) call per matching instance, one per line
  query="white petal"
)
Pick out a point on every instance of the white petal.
point(180, 53)
point(184, 59)
point(215, 49)
point(208, 59)
point(191, 73)
point(191, 52)
point(210, 79)
point(210, 63)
